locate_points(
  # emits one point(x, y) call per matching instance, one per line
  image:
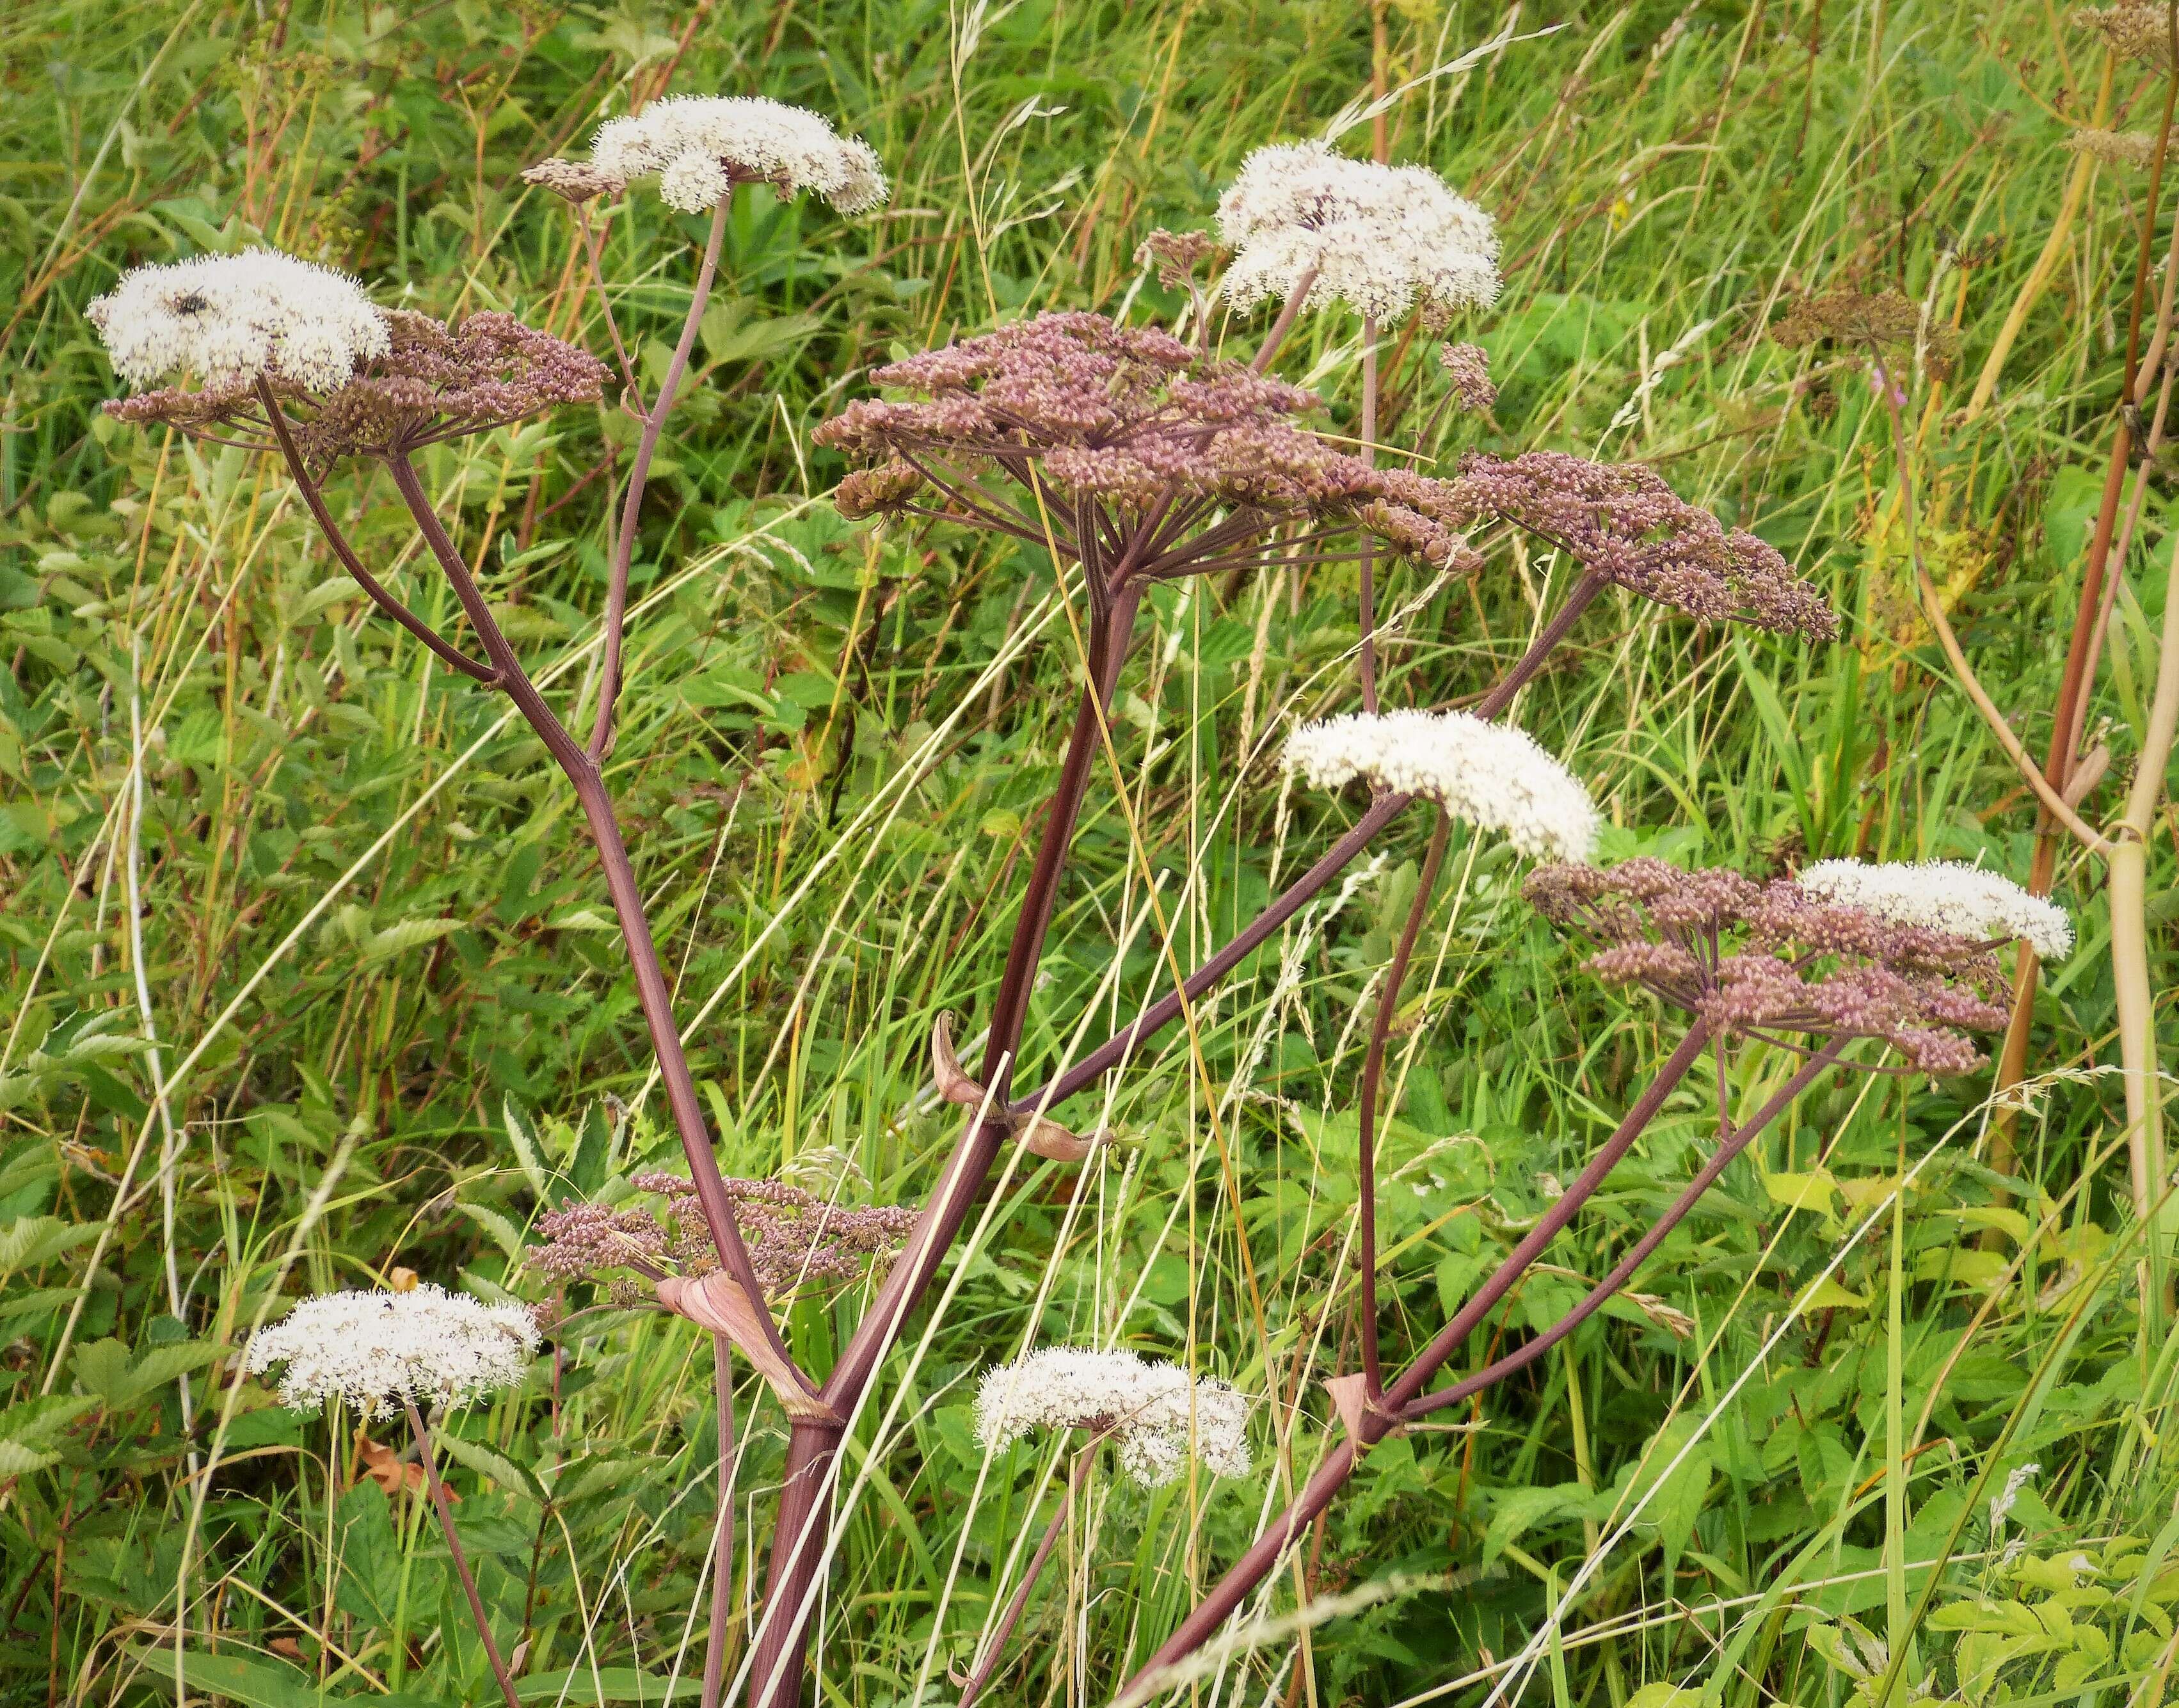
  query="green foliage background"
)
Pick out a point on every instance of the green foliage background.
point(392, 1010)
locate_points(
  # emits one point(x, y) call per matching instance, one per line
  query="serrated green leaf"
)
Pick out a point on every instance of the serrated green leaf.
point(409, 934)
point(528, 1153)
point(31, 1240)
point(504, 1233)
point(17, 1460)
point(485, 1463)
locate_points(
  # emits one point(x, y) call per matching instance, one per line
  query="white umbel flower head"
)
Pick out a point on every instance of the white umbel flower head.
point(1157, 1415)
point(1489, 775)
point(232, 319)
point(1944, 896)
point(697, 146)
point(1381, 238)
point(374, 1350)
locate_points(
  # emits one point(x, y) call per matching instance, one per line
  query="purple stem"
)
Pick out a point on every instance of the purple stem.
point(446, 1511)
point(1331, 1476)
point(638, 479)
point(653, 992)
point(1368, 666)
point(443, 649)
point(722, 1546)
point(1116, 1050)
point(798, 1545)
point(995, 1650)
point(1373, 1075)
point(1623, 1271)
point(1288, 311)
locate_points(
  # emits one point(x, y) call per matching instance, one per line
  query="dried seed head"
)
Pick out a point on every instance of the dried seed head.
point(1383, 239)
point(1492, 776)
point(1469, 367)
point(572, 180)
point(699, 146)
point(795, 1237)
point(1176, 255)
point(1622, 521)
point(1774, 961)
point(1157, 1415)
point(2136, 148)
point(2136, 29)
point(230, 320)
point(1121, 419)
point(1879, 320)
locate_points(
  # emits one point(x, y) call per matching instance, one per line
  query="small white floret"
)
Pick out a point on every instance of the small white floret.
point(374, 1350)
point(1489, 775)
point(1945, 896)
point(232, 319)
point(697, 145)
point(1157, 1414)
point(1381, 238)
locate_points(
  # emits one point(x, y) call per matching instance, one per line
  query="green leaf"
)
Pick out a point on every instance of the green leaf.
point(487, 1464)
point(504, 1233)
point(1519, 1510)
point(17, 1460)
point(1664, 1696)
point(409, 934)
point(253, 1681)
point(31, 1240)
point(577, 1685)
point(522, 1134)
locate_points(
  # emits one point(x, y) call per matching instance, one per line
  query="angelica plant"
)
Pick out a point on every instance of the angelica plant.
point(271, 353)
point(377, 1352)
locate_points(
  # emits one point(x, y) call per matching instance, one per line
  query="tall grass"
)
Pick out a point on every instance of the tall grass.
point(374, 951)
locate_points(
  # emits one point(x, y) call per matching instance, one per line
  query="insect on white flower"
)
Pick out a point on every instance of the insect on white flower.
point(1380, 239)
point(1492, 776)
point(1944, 896)
point(375, 1350)
point(698, 146)
point(231, 319)
point(1157, 1414)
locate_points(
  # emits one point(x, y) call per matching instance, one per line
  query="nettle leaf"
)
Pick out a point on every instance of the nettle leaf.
point(2007, 1618)
point(485, 1463)
point(409, 934)
point(28, 1241)
point(529, 1152)
point(34, 1422)
point(17, 1460)
point(1517, 1510)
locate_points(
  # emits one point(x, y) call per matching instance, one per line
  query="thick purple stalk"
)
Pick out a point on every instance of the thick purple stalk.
point(1638, 1253)
point(653, 993)
point(798, 1555)
point(1330, 1477)
point(799, 1532)
point(1117, 1049)
point(723, 1543)
point(1368, 664)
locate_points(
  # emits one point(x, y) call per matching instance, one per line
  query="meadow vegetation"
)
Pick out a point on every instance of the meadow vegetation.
point(312, 980)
